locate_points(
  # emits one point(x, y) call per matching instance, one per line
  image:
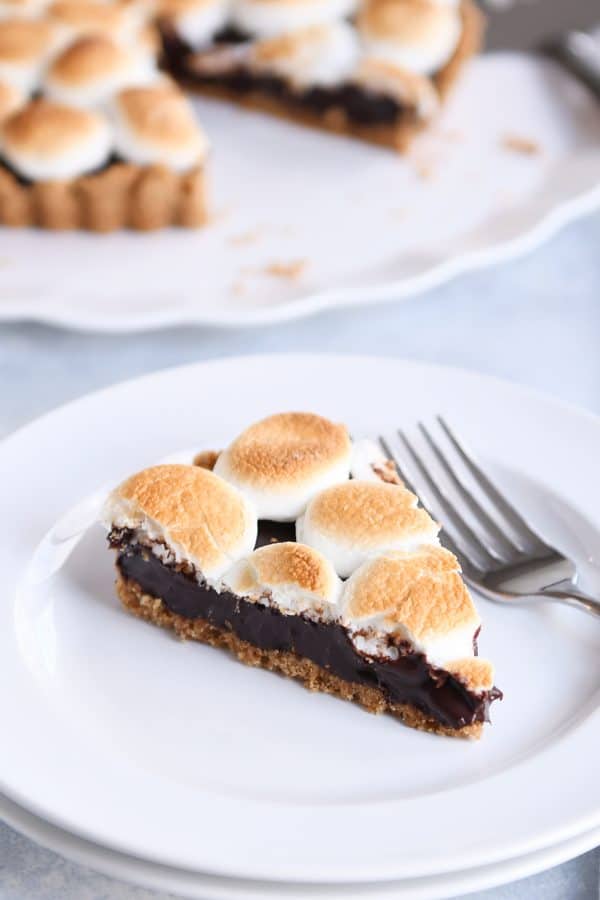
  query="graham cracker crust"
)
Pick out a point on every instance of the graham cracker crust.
point(123, 195)
point(397, 137)
point(312, 676)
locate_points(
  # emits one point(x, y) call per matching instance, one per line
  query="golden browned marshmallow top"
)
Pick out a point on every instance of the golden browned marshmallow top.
point(195, 21)
point(419, 596)
point(156, 124)
point(22, 8)
point(11, 98)
point(25, 46)
point(476, 674)
point(295, 577)
point(354, 520)
point(283, 460)
point(25, 39)
point(324, 55)
point(93, 68)
point(189, 512)
point(50, 141)
point(88, 59)
point(269, 18)
point(77, 18)
point(417, 35)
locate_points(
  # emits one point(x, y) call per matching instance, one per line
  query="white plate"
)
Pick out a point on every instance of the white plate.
point(366, 224)
point(174, 753)
point(207, 887)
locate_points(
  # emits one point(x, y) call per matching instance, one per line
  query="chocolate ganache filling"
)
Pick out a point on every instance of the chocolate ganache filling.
point(408, 679)
point(361, 106)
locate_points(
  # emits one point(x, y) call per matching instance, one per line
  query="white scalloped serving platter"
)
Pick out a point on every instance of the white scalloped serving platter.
point(304, 221)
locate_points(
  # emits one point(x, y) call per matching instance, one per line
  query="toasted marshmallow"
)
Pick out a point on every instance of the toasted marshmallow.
point(355, 520)
point(291, 577)
point(320, 55)
point(185, 514)
point(11, 99)
point(476, 674)
point(22, 8)
point(93, 68)
point(156, 125)
point(284, 460)
point(417, 35)
point(79, 18)
point(268, 18)
point(406, 88)
point(195, 21)
point(49, 142)
point(417, 596)
point(25, 47)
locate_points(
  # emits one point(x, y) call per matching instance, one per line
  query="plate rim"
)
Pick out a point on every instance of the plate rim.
point(548, 225)
point(114, 865)
point(286, 360)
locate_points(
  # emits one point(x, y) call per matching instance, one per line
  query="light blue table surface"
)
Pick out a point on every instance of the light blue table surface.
point(535, 321)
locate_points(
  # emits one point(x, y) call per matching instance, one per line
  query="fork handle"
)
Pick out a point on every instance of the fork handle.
point(568, 592)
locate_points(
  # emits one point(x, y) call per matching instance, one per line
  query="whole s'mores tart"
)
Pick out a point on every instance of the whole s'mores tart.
point(376, 69)
point(298, 551)
point(372, 69)
point(92, 135)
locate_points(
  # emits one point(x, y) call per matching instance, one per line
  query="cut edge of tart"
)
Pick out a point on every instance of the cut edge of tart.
point(376, 70)
point(221, 71)
point(374, 611)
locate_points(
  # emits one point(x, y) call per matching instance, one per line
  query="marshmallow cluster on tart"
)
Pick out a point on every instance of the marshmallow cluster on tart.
point(376, 69)
point(95, 68)
point(274, 549)
point(92, 135)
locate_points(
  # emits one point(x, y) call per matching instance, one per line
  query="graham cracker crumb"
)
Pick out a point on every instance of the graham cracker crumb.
point(387, 472)
point(292, 270)
point(425, 171)
point(246, 237)
point(206, 459)
point(517, 143)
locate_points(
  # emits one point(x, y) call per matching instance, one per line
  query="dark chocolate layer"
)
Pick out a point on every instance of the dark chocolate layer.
point(409, 679)
point(361, 106)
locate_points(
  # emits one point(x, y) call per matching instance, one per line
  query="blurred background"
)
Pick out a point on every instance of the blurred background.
point(532, 317)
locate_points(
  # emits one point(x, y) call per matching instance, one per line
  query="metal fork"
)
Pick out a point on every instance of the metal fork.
point(502, 550)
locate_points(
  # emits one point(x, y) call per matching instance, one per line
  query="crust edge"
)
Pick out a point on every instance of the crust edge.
point(124, 195)
point(312, 676)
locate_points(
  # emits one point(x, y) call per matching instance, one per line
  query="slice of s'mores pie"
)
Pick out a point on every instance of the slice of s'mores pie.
point(355, 598)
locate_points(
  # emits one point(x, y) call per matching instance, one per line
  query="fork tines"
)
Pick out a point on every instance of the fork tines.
point(480, 525)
